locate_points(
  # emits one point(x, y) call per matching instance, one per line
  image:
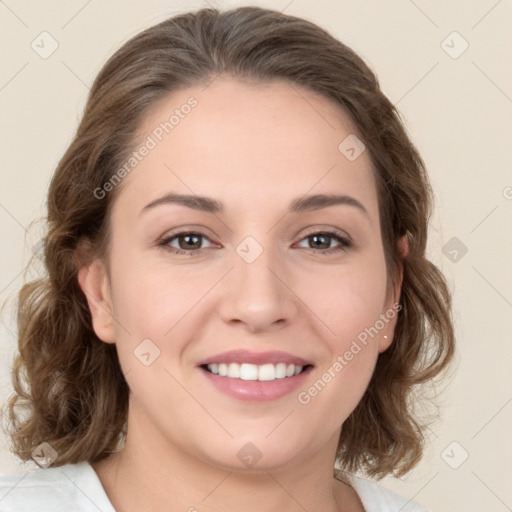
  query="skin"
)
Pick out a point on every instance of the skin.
point(184, 434)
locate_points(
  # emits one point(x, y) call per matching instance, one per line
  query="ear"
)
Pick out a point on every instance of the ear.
point(94, 282)
point(392, 307)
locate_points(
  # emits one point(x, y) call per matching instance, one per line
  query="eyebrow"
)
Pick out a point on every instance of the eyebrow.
point(301, 204)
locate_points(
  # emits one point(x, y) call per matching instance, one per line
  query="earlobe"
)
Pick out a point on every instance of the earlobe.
point(385, 340)
point(93, 280)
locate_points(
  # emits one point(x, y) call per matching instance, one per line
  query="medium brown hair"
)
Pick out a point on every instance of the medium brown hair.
point(75, 395)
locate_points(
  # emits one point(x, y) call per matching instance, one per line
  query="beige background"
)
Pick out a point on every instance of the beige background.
point(458, 112)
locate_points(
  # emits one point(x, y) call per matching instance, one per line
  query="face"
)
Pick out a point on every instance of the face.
point(286, 292)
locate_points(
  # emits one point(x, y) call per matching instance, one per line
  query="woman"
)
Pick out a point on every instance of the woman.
point(238, 303)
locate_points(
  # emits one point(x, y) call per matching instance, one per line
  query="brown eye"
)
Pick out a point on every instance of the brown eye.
point(322, 240)
point(188, 242)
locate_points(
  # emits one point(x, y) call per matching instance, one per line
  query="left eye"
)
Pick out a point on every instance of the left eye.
point(190, 242)
point(321, 238)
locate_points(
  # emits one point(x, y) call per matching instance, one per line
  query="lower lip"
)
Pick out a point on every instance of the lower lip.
point(256, 390)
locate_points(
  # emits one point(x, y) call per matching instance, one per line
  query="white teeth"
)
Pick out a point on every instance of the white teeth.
point(264, 372)
point(233, 370)
point(267, 372)
point(280, 370)
point(246, 372)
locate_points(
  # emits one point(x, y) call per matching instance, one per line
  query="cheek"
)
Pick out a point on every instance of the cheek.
point(151, 296)
point(151, 299)
point(348, 299)
point(350, 304)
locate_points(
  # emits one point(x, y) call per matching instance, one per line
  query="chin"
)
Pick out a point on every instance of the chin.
point(255, 454)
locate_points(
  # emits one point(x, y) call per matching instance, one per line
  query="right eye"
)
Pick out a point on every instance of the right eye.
point(190, 239)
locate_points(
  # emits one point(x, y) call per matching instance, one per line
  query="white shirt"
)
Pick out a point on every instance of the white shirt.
point(77, 488)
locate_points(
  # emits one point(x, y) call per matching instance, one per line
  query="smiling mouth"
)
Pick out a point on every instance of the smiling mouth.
point(254, 372)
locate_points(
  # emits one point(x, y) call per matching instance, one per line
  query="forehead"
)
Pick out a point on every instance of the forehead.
point(248, 143)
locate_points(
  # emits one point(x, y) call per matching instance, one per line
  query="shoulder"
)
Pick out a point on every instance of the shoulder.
point(69, 488)
point(376, 498)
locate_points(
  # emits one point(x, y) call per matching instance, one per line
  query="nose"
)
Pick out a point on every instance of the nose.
point(258, 296)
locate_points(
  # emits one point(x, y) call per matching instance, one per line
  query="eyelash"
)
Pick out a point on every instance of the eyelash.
point(345, 243)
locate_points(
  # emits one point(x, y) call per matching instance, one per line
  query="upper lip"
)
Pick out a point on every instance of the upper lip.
point(258, 358)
